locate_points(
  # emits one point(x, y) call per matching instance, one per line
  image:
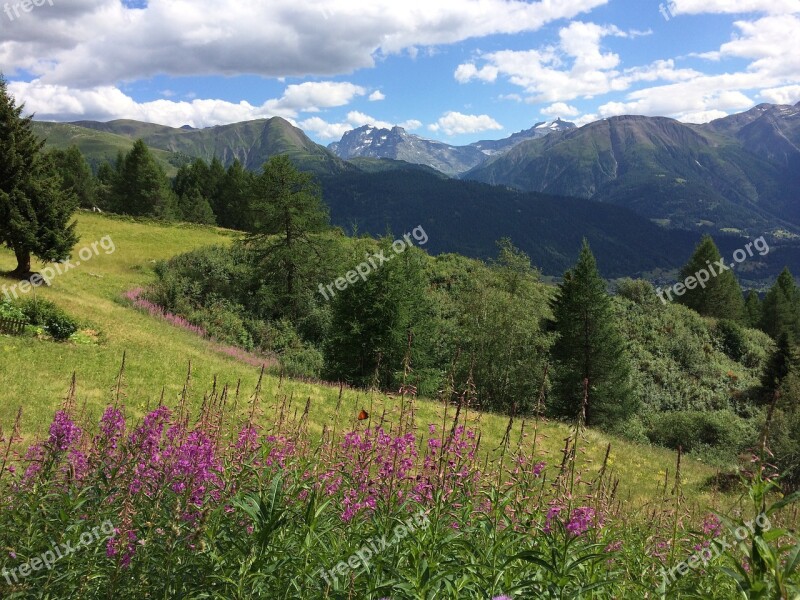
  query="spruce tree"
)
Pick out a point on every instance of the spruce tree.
point(35, 212)
point(232, 204)
point(721, 296)
point(780, 309)
point(752, 310)
point(589, 348)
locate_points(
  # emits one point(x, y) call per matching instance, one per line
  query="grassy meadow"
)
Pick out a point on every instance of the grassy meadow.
point(36, 373)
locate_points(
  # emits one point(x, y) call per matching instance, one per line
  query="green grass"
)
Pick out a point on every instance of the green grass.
point(35, 373)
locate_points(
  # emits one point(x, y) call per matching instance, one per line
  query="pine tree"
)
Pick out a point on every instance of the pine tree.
point(752, 310)
point(720, 296)
point(141, 187)
point(35, 212)
point(780, 311)
point(589, 348)
point(235, 194)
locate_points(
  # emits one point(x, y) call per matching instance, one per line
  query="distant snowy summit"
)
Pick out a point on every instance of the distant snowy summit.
point(397, 144)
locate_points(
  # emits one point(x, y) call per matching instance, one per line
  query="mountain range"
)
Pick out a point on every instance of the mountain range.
point(641, 188)
point(397, 144)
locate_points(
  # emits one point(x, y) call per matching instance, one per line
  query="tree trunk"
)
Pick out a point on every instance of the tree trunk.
point(23, 269)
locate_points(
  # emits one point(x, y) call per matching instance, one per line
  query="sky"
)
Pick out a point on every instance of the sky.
point(454, 70)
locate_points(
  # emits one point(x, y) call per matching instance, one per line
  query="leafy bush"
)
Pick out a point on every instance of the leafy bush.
point(11, 311)
point(731, 339)
point(694, 431)
point(55, 322)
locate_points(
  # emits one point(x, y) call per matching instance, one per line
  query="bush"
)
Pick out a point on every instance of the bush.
point(55, 322)
point(731, 338)
point(11, 311)
point(700, 431)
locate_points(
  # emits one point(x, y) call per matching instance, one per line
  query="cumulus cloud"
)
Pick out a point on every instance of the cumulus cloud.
point(789, 94)
point(456, 123)
point(355, 119)
point(92, 43)
point(560, 109)
point(577, 66)
point(57, 102)
point(377, 96)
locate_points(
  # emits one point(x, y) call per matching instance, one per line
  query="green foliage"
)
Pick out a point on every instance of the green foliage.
point(287, 211)
point(76, 175)
point(140, 187)
point(592, 376)
point(752, 310)
point(732, 339)
point(35, 212)
point(780, 311)
point(55, 322)
point(722, 432)
point(721, 296)
point(9, 310)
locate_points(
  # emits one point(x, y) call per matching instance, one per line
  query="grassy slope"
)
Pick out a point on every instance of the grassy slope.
point(36, 373)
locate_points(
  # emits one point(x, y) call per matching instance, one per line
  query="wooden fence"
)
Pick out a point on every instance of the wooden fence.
point(12, 326)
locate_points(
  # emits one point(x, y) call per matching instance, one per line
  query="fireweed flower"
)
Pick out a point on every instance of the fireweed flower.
point(63, 432)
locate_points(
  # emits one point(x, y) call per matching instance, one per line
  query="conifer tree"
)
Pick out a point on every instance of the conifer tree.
point(589, 348)
point(720, 296)
point(778, 367)
point(287, 209)
point(35, 212)
point(141, 187)
point(780, 309)
point(752, 310)
point(76, 175)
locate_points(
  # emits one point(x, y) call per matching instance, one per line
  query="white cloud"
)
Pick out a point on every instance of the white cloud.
point(775, 7)
point(789, 94)
point(93, 43)
point(560, 109)
point(578, 67)
point(377, 96)
point(104, 103)
point(355, 119)
point(311, 96)
point(455, 123)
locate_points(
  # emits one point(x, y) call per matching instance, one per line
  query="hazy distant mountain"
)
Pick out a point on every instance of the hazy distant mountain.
point(740, 172)
point(539, 130)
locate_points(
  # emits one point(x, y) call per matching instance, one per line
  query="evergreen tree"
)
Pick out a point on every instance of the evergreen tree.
point(76, 175)
point(193, 207)
point(232, 203)
point(778, 367)
point(140, 187)
point(752, 310)
point(35, 212)
point(373, 319)
point(721, 296)
point(287, 210)
point(589, 348)
point(779, 311)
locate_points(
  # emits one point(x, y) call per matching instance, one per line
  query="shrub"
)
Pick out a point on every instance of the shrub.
point(701, 431)
point(11, 311)
point(730, 336)
point(55, 322)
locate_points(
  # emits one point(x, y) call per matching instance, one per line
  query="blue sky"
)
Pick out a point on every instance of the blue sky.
point(456, 70)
